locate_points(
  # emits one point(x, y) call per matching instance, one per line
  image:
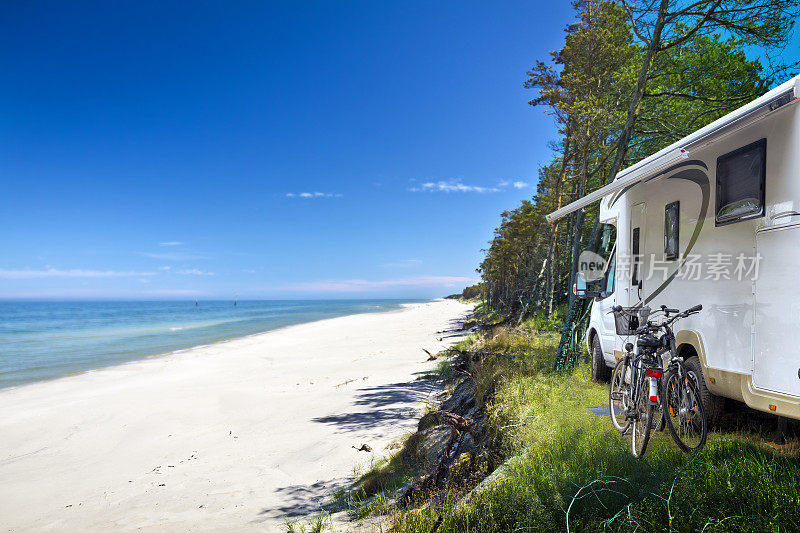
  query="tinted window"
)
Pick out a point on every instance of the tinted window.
point(740, 183)
point(671, 230)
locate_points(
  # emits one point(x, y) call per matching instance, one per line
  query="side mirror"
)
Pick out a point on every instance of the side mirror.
point(581, 289)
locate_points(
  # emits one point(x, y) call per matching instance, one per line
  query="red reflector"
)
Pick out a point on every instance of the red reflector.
point(654, 373)
point(653, 398)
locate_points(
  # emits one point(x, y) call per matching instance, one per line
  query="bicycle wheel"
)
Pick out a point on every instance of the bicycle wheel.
point(642, 422)
point(683, 410)
point(618, 396)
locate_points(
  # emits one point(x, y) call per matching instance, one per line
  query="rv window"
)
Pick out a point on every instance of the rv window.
point(636, 257)
point(608, 241)
point(740, 183)
point(671, 230)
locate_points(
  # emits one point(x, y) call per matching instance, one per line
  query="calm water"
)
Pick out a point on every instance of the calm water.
point(42, 340)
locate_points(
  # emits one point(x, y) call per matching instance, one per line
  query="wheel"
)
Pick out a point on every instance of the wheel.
point(600, 370)
point(713, 404)
point(618, 396)
point(684, 413)
point(642, 422)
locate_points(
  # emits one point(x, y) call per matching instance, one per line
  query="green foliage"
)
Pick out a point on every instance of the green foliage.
point(587, 86)
point(472, 292)
point(576, 472)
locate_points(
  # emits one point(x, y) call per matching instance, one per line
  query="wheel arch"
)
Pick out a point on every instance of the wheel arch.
point(688, 343)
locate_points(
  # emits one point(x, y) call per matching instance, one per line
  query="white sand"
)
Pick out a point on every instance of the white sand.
point(232, 436)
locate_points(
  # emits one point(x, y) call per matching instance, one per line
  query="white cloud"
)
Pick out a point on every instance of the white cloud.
point(456, 185)
point(170, 243)
point(313, 195)
point(165, 268)
point(194, 272)
point(99, 293)
point(361, 285)
point(452, 186)
point(71, 273)
point(248, 270)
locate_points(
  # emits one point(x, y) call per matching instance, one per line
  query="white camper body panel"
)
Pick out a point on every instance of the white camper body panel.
point(748, 333)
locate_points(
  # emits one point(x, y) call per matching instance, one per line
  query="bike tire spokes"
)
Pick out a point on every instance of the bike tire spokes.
point(685, 415)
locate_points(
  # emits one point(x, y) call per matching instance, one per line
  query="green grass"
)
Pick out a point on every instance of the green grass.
point(316, 523)
point(374, 487)
point(578, 473)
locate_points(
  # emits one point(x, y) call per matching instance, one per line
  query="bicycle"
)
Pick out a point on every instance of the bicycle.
point(673, 396)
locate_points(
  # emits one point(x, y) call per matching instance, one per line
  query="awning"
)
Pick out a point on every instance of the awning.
point(759, 108)
point(611, 188)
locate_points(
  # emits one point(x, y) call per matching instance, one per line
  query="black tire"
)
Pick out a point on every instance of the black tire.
point(601, 372)
point(714, 405)
point(684, 412)
point(618, 393)
point(642, 425)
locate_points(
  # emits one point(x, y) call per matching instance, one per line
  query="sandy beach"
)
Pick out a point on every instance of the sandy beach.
point(232, 436)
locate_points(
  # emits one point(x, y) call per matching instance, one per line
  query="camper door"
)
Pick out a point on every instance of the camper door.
point(776, 365)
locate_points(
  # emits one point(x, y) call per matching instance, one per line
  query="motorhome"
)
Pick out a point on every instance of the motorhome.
point(713, 219)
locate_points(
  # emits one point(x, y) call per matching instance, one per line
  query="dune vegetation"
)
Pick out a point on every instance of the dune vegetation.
point(569, 469)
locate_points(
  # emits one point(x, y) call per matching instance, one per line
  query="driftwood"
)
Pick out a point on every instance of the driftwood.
point(458, 426)
point(456, 422)
point(449, 336)
point(431, 357)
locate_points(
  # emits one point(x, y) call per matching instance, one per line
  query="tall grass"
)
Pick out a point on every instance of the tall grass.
point(577, 472)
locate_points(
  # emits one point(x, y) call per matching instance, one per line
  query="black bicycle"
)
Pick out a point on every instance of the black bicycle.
point(642, 397)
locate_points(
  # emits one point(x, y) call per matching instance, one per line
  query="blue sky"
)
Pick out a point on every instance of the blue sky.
point(265, 149)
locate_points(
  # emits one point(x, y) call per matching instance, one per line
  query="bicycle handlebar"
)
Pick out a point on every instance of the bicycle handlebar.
point(666, 311)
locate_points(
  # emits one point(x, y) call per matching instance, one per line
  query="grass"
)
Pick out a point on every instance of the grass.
point(577, 472)
point(316, 523)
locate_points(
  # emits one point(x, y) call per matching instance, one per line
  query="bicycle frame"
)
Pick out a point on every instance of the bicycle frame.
point(636, 363)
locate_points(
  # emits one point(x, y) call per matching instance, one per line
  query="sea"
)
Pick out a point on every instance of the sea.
point(44, 340)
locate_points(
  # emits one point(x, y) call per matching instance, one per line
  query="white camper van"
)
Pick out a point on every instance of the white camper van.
point(713, 219)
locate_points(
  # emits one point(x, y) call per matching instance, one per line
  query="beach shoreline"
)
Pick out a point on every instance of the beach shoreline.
point(240, 434)
point(23, 349)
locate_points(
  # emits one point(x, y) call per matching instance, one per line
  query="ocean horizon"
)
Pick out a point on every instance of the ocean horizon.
point(47, 339)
